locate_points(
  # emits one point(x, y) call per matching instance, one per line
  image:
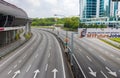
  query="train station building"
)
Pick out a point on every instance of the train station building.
point(13, 20)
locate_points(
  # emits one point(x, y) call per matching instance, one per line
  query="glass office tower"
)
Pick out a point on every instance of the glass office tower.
point(101, 8)
point(91, 8)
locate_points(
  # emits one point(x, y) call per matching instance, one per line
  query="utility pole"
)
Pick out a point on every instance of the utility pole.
point(72, 49)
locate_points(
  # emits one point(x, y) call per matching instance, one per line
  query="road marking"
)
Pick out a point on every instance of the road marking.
point(61, 59)
point(104, 74)
point(36, 72)
point(110, 72)
point(20, 61)
point(55, 72)
point(92, 72)
point(36, 56)
point(16, 73)
point(9, 71)
point(80, 67)
point(15, 66)
point(102, 58)
point(46, 67)
point(49, 55)
point(28, 68)
point(89, 58)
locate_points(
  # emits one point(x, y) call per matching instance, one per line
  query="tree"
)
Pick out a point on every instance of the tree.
point(72, 22)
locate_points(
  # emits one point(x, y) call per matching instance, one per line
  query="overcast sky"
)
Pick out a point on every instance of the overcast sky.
point(47, 8)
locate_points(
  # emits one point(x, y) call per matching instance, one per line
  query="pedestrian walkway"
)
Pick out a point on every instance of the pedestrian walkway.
point(10, 47)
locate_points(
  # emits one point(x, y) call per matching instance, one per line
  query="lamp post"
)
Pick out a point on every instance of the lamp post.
point(66, 39)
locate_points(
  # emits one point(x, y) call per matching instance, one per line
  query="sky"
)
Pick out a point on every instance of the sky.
point(47, 8)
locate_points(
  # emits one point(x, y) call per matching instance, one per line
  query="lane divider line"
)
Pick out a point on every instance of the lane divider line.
point(15, 66)
point(104, 74)
point(60, 50)
point(89, 58)
point(49, 55)
point(79, 67)
point(28, 68)
point(9, 71)
point(46, 67)
point(102, 58)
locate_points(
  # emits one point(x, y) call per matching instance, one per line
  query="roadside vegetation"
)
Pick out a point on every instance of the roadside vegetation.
point(50, 27)
point(110, 43)
point(115, 39)
point(68, 23)
point(27, 36)
point(17, 36)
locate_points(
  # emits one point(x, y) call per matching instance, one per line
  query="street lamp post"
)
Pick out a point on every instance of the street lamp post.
point(72, 48)
point(66, 40)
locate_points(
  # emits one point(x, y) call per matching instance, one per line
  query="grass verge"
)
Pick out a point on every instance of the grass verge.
point(115, 39)
point(27, 36)
point(50, 27)
point(69, 29)
point(110, 43)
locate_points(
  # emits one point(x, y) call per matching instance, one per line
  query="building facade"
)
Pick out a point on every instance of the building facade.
point(100, 12)
point(91, 8)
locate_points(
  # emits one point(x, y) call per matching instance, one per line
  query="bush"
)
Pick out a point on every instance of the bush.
point(27, 35)
point(17, 37)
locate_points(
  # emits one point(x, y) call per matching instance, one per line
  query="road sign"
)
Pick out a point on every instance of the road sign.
point(66, 40)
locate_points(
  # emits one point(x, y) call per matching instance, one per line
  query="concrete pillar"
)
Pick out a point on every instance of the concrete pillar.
point(28, 27)
point(2, 38)
point(14, 35)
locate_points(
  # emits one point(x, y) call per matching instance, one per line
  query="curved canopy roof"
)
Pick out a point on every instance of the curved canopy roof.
point(10, 9)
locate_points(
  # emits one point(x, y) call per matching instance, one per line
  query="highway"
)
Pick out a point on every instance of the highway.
point(96, 59)
point(40, 57)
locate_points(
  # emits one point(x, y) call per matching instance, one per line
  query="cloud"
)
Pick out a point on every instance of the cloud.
point(47, 8)
point(34, 3)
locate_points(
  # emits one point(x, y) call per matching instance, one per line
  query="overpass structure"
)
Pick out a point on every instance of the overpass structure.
point(12, 20)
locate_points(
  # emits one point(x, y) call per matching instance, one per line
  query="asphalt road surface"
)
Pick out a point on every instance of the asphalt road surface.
point(40, 57)
point(97, 59)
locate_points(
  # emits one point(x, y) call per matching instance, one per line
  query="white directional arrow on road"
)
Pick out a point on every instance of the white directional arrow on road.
point(16, 73)
point(92, 72)
point(110, 72)
point(55, 72)
point(36, 72)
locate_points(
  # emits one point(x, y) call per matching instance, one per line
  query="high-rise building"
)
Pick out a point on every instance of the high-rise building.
point(91, 8)
point(113, 8)
point(100, 12)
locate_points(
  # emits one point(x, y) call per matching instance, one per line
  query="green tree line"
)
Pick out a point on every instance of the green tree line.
point(46, 21)
point(69, 22)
